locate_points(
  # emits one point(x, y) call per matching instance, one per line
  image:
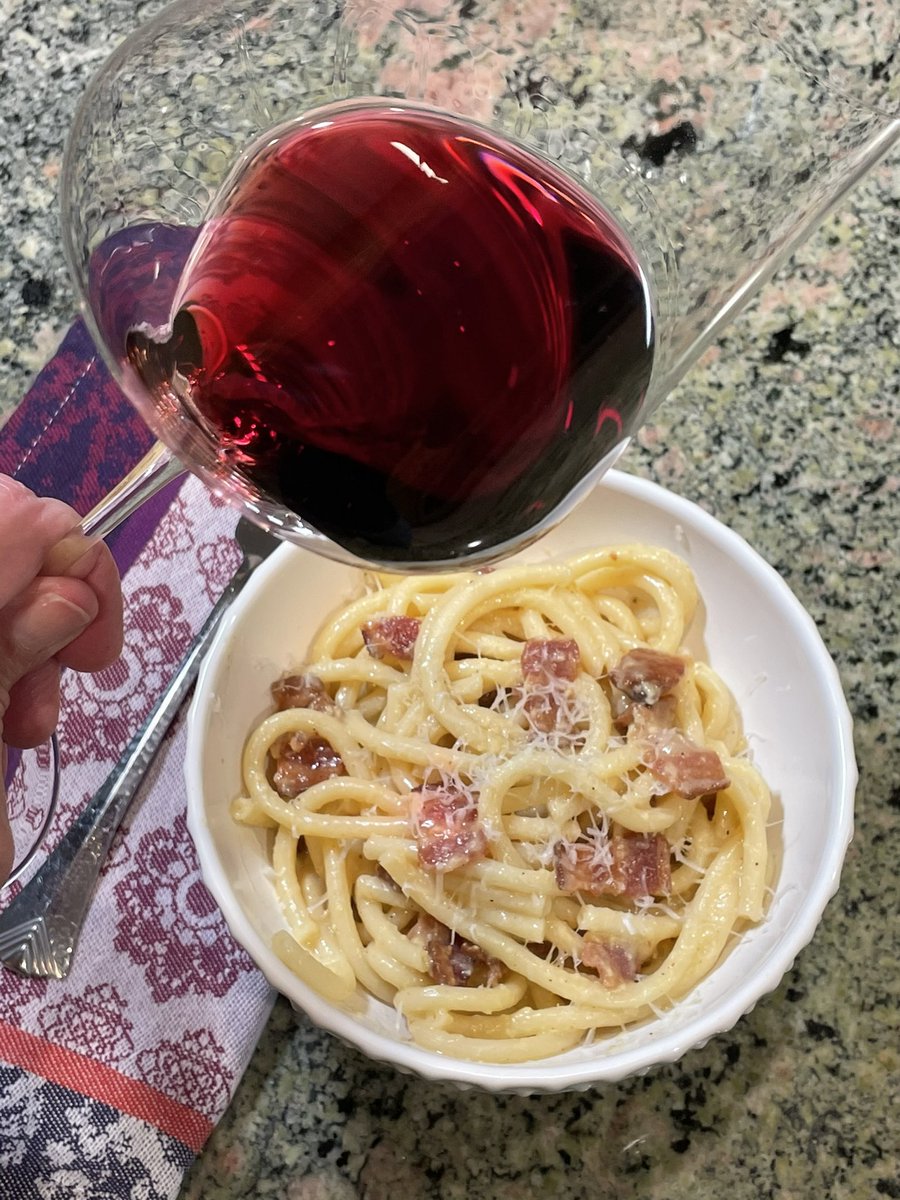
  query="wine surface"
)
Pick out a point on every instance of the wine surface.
point(416, 335)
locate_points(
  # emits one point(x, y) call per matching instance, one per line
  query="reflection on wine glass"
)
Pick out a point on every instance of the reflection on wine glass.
point(401, 282)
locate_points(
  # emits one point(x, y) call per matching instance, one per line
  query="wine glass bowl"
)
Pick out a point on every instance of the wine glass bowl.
point(445, 337)
point(699, 144)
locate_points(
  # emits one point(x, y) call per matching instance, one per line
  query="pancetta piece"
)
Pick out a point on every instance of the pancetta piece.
point(391, 635)
point(580, 868)
point(627, 864)
point(547, 659)
point(681, 765)
point(301, 691)
point(446, 827)
point(301, 761)
point(548, 666)
point(543, 711)
point(614, 963)
point(453, 960)
point(645, 675)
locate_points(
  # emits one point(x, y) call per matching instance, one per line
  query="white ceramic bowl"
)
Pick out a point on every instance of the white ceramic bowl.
point(753, 631)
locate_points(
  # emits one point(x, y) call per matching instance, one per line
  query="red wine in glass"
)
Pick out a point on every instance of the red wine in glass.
point(417, 335)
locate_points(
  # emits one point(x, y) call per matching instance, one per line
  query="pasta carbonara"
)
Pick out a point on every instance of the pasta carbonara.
point(510, 803)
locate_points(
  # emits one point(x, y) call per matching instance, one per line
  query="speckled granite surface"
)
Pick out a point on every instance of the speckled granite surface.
point(788, 431)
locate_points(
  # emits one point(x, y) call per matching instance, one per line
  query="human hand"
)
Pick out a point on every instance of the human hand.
point(47, 621)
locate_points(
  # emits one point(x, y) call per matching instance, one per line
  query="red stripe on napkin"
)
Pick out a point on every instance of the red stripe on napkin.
point(103, 1083)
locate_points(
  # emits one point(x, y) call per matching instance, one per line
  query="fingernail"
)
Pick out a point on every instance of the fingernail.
point(66, 553)
point(50, 624)
point(69, 614)
point(10, 487)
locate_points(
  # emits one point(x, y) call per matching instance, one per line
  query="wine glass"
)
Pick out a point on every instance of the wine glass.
point(401, 282)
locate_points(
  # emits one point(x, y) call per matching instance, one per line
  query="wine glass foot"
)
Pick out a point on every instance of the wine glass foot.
point(32, 787)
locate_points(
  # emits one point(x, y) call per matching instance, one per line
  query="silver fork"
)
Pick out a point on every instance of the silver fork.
point(39, 929)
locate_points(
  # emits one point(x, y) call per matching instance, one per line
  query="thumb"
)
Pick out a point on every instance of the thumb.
point(37, 624)
point(43, 619)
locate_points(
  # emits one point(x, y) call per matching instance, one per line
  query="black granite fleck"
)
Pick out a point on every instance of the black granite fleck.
point(36, 293)
point(783, 342)
point(656, 147)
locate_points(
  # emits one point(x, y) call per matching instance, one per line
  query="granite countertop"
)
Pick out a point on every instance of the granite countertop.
point(788, 432)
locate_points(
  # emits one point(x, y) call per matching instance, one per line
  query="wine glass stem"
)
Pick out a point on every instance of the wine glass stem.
point(158, 467)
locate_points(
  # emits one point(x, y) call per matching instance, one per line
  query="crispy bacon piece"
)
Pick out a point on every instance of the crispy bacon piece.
point(446, 828)
point(546, 659)
point(630, 864)
point(301, 761)
point(645, 675)
point(391, 635)
point(682, 765)
point(453, 960)
point(614, 963)
point(301, 691)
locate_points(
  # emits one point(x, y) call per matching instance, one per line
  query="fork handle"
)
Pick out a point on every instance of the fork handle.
point(39, 929)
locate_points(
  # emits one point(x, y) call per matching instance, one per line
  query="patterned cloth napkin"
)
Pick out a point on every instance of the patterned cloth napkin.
point(112, 1080)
